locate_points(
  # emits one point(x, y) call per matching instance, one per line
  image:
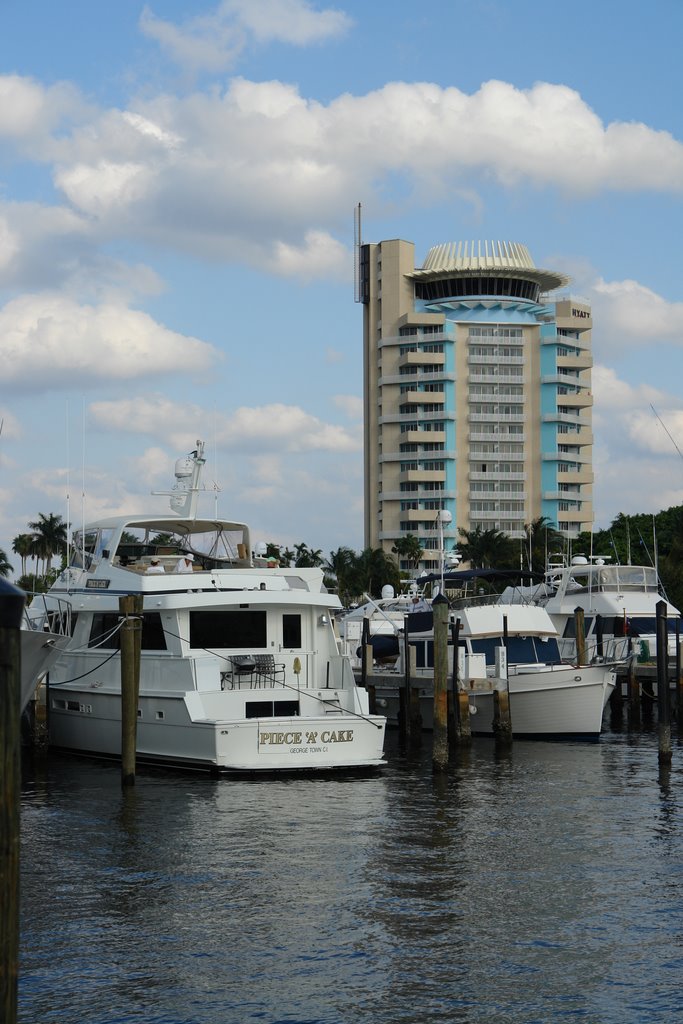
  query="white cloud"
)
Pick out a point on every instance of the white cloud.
point(352, 405)
point(261, 430)
point(104, 187)
point(289, 21)
point(320, 256)
point(213, 42)
point(630, 314)
point(49, 341)
point(30, 113)
point(259, 173)
point(637, 467)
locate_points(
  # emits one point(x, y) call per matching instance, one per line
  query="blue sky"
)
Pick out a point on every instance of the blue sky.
point(177, 185)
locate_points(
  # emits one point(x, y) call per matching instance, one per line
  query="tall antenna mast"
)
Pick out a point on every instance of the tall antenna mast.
point(357, 242)
point(667, 431)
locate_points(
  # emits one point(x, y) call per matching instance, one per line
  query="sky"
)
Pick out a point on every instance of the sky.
point(177, 189)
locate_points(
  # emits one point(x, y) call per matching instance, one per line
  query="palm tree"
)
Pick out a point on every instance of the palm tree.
point(376, 568)
point(50, 536)
point(342, 566)
point(307, 558)
point(23, 545)
point(410, 549)
point(541, 539)
point(486, 549)
point(5, 567)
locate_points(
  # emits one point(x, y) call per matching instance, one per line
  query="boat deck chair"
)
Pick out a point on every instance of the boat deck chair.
point(242, 669)
point(268, 669)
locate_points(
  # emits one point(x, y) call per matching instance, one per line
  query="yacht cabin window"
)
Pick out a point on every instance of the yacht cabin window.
point(106, 634)
point(291, 631)
point(234, 629)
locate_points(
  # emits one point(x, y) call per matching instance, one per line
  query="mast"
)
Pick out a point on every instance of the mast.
point(185, 493)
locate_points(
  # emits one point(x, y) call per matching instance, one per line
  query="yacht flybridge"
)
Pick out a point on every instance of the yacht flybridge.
point(240, 667)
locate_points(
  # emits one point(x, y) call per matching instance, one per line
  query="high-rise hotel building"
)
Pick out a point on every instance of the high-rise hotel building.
point(477, 391)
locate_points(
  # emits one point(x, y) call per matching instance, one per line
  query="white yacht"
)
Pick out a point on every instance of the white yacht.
point(510, 645)
point(379, 623)
point(624, 596)
point(240, 667)
point(39, 651)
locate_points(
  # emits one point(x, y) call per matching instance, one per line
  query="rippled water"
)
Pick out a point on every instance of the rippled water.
point(541, 885)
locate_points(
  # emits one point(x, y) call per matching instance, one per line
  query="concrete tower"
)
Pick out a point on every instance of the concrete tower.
point(477, 391)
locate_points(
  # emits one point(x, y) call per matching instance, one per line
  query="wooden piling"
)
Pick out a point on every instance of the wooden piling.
point(404, 693)
point(464, 724)
point(580, 633)
point(440, 715)
point(364, 642)
point(130, 608)
point(663, 701)
point(679, 683)
point(634, 701)
point(599, 637)
point(502, 723)
point(11, 610)
point(452, 699)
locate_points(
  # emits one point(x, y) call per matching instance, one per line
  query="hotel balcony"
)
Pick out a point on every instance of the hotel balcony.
point(421, 397)
point(496, 437)
point(578, 362)
point(424, 436)
point(496, 456)
point(496, 417)
point(496, 474)
point(415, 417)
point(417, 476)
point(438, 373)
point(497, 514)
point(579, 399)
point(493, 359)
point(561, 457)
point(583, 476)
point(422, 359)
point(494, 378)
point(561, 417)
point(572, 517)
point(421, 495)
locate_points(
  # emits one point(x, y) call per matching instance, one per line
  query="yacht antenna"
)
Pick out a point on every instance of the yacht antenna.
point(628, 541)
point(667, 431)
point(185, 491)
point(646, 547)
point(68, 487)
point(357, 243)
point(83, 484)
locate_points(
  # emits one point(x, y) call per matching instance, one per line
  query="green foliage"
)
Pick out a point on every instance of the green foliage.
point(410, 549)
point(541, 541)
point(5, 567)
point(487, 549)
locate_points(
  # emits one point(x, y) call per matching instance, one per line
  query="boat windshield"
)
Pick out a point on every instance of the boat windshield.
point(89, 547)
point(613, 578)
point(213, 547)
point(522, 650)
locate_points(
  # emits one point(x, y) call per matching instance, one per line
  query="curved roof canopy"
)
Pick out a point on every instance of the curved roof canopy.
point(493, 259)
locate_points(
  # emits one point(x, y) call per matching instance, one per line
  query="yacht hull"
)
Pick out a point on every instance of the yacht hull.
point(209, 731)
point(557, 702)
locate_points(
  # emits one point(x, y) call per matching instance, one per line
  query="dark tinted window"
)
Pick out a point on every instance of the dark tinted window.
point(104, 631)
point(271, 709)
point(291, 631)
point(233, 629)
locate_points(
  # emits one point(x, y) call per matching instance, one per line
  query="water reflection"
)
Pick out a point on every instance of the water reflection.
point(531, 884)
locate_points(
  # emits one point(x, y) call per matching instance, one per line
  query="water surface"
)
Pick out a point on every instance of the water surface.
point(539, 885)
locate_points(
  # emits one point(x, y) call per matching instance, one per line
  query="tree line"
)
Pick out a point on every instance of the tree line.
point(639, 539)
